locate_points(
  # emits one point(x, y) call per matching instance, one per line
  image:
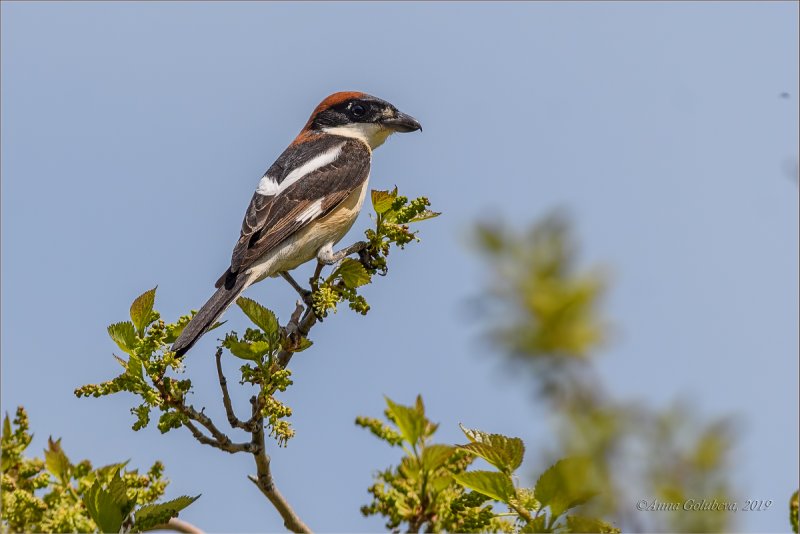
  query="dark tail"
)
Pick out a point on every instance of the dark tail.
point(208, 315)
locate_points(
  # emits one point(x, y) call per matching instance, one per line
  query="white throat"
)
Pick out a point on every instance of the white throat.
point(374, 135)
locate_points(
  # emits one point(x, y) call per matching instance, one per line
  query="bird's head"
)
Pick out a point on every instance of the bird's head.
point(359, 115)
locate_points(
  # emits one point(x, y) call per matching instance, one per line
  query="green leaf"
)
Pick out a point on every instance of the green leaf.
point(303, 345)
point(56, 461)
point(496, 485)
point(261, 316)
point(794, 504)
point(6, 427)
point(434, 456)
point(119, 493)
point(134, 367)
point(142, 309)
point(427, 214)
point(123, 335)
point(103, 509)
point(243, 349)
point(150, 516)
point(353, 273)
point(410, 421)
point(501, 451)
point(383, 200)
point(566, 484)
point(107, 473)
point(213, 326)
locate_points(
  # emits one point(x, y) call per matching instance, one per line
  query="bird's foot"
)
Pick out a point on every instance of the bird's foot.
point(327, 256)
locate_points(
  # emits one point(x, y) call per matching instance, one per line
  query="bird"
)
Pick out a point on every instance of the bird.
point(306, 201)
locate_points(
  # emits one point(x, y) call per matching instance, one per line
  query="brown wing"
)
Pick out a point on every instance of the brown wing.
point(271, 219)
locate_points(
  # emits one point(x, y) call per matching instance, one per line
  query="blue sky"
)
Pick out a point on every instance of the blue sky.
point(134, 134)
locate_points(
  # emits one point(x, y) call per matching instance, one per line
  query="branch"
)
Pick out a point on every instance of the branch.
point(190, 412)
point(227, 445)
point(234, 421)
point(264, 479)
point(297, 327)
point(219, 439)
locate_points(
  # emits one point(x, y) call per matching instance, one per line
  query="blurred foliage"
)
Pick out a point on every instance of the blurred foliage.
point(793, 506)
point(548, 312)
point(545, 313)
point(53, 494)
point(432, 490)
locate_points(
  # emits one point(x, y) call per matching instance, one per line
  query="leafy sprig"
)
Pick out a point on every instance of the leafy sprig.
point(432, 489)
point(54, 494)
point(394, 214)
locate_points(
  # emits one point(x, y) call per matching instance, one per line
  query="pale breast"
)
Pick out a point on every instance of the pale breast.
point(304, 245)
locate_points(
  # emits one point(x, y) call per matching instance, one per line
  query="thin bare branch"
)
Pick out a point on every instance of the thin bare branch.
point(227, 446)
point(234, 421)
point(203, 419)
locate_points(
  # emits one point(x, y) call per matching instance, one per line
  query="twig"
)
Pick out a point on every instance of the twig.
point(297, 327)
point(227, 445)
point(234, 421)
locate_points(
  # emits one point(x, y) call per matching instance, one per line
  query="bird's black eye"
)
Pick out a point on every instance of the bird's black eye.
point(358, 110)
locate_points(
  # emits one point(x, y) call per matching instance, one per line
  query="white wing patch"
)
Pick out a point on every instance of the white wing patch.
point(267, 186)
point(310, 212)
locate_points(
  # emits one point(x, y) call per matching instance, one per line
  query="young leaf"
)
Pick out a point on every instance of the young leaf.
point(123, 335)
point(134, 367)
point(302, 345)
point(107, 473)
point(242, 349)
point(142, 310)
point(261, 316)
point(434, 456)
point(427, 214)
point(6, 427)
point(566, 484)
point(410, 421)
point(56, 461)
point(496, 485)
point(151, 515)
point(383, 200)
point(353, 273)
point(102, 508)
point(501, 451)
point(119, 494)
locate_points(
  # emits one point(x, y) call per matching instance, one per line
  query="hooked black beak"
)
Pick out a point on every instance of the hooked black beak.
point(402, 123)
